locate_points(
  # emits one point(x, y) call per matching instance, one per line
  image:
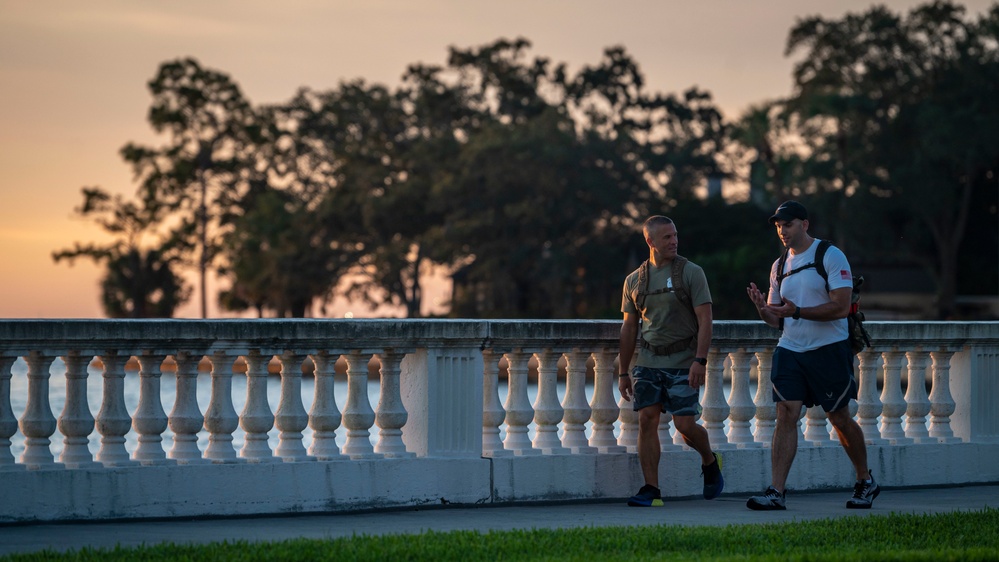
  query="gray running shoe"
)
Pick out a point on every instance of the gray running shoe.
point(769, 501)
point(864, 492)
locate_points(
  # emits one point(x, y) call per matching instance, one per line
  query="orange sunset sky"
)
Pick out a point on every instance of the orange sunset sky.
point(73, 86)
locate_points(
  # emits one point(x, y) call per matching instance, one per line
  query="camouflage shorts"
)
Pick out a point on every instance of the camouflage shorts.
point(668, 387)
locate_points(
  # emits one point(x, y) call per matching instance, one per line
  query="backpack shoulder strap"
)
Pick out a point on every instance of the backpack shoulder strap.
point(643, 286)
point(679, 287)
point(780, 279)
point(820, 256)
point(676, 277)
point(820, 268)
point(780, 269)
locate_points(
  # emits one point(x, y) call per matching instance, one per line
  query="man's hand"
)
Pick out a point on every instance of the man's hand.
point(785, 309)
point(696, 375)
point(769, 313)
point(624, 385)
point(756, 296)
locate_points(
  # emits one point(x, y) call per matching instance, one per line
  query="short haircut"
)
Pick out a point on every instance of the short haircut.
point(655, 220)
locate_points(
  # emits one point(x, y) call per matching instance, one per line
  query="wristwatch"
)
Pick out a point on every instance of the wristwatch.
point(797, 313)
point(701, 360)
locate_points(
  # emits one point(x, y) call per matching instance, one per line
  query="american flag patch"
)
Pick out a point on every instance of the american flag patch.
point(844, 274)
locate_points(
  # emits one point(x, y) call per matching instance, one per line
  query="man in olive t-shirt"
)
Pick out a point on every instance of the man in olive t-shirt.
point(667, 303)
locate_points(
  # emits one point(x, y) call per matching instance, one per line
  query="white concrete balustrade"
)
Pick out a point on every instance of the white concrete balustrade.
point(454, 420)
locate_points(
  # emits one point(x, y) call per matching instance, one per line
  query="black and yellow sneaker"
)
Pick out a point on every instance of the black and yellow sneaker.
point(648, 496)
point(713, 481)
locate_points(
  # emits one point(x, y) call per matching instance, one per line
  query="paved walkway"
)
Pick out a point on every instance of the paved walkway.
point(725, 510)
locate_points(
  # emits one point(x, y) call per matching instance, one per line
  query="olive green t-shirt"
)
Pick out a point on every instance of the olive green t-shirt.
point(666, 319)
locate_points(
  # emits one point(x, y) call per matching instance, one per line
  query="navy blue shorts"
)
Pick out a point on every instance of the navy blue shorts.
point(668, 387)
point(822, 377)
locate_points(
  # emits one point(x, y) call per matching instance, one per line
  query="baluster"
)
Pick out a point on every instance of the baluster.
point(941, 403)
point(493, 413)
point(291, 418)
point(852, 406)
point(76, 422)
point(150, 421)
point(741, 408)
point(715, 409)
point(391, 416)
point(186, 419)
point(628, 438)
point(628, 417)
point(605, 410)
point(816, 427)
point(38, 423)
point(893, 405)
point(519, 413)
point(324, 417)
point(113, 421)
point(868, 403)
point(256, 418)
point(547, 410)
point(917, 403)
point(8, 423)
point(800, 426)
point(358, 417)
point(220, 417)
point(577, 411)
point(766, 410)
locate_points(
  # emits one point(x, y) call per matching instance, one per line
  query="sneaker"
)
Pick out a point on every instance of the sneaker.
point(864, 492)
point(713, 481)
point(770, 500)
point(648, 496)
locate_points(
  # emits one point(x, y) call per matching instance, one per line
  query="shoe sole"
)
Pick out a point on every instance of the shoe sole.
point(760, 507)
point(721, 486)
point(655, 503)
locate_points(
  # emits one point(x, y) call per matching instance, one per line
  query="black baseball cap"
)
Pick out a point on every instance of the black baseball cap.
point(789, 210)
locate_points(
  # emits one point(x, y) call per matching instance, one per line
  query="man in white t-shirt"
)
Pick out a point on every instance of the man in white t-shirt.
point(813, 362)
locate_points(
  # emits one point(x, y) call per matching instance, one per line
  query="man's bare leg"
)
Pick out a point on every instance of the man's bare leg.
point(695, 436)
point(851, 436)
point(649, 449)
point(785, 442)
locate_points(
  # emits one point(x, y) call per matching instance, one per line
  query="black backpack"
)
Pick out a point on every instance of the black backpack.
point(858, 335)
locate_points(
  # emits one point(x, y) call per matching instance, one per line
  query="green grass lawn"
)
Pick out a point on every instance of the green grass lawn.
point(955, 536)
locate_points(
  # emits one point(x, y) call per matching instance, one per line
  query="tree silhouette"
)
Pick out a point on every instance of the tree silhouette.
point(140, 279)
point(210, 129)
point(903, 125)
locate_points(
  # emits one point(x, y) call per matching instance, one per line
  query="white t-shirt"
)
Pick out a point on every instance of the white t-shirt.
point(806, 288)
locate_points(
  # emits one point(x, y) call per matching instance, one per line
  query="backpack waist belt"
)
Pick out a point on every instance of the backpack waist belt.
point(667, 350)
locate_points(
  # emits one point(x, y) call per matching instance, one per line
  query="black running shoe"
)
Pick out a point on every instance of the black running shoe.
point(713, 481)
point(648, 496)
point(770, 500)
point(864, 492)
